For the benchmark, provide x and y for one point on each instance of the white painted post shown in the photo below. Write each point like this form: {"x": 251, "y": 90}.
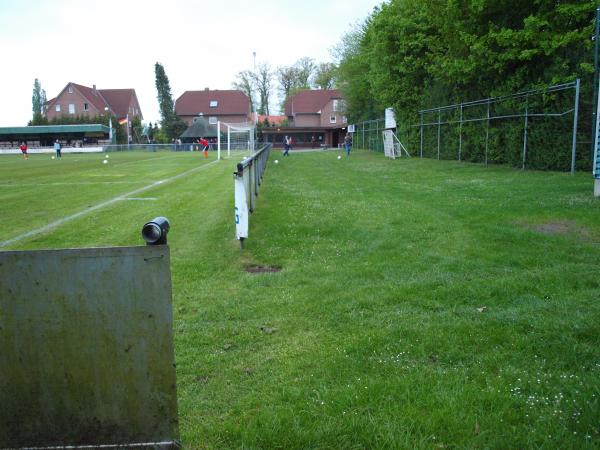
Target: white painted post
{"x": 228, "y": 141}
{"x": 218, "y": 140}
{"x": 575, "y": 117}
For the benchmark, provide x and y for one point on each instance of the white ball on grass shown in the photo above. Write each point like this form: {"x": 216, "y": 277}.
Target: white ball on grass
{"x": 105, "y": 162}
{"x": 339, "y": 156}
{"x": 53, "y": 157}
{"x": 276, "y": 161}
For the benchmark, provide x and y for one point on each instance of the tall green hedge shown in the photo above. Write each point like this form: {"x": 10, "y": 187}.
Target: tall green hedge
{"x": 419, "y": 54}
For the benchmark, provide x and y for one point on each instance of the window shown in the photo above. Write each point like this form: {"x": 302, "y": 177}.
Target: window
{"x": 332, "y": 119}
{"x": 214, "y": 103}
{"x": 57, "y": 108}
{"x": 212, "y": 120}
{"x": 71, "y": 108}
{"x": 344, "y": 119}
{"x": 70, "y": 90}
{"x": 86, "y": 107}
{"x": 336, "y": 105}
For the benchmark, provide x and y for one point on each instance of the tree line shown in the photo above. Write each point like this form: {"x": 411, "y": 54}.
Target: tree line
{"x": 262, "y": 83}
{"x": 414, "y": 54}
{"x": 418, "y": 54}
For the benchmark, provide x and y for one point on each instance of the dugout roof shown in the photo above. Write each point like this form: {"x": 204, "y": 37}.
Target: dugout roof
{"x": 52, "y": 129}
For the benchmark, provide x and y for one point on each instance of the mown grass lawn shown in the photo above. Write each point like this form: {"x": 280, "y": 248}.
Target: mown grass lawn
{"x": 420, "y": 304}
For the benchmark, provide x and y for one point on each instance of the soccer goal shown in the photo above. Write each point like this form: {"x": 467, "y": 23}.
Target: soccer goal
{"x": 392, "y": 147}
{"x": 235, "y": 137}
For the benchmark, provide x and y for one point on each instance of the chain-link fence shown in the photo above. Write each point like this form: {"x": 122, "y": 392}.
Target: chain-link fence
{"x": 536, "y": 129}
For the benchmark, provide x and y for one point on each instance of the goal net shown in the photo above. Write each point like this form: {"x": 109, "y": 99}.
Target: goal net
{"x": 236, "y": 137}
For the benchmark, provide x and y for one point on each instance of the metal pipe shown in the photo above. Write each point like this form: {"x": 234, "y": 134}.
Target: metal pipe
{"x": 460, "y": 133}
{"x": 487, "y": 134}
{"x": 439, "y": 131}
{"x": 421, "y": 135}
{"x": 525, "y": 134}
{"x": 555, "y": 88}
{"x": 575, "y": 117}
{"x": 508, "y": 116}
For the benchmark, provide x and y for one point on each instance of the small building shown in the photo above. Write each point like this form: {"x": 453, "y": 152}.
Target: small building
{"x": 78, "y": 100}
{"x": 314, "y": 119}
{"x": 199, "y": 128}
{"x": 230, "y": 106}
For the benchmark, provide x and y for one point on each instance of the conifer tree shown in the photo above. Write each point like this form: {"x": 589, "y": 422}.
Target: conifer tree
{"x": 164, "y": 96}
{"x": 38, "y": 99}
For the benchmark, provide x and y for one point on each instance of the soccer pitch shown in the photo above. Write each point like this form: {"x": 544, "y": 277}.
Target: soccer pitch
{"x": 81, "y": 200}
{"x": 420, "y": 303}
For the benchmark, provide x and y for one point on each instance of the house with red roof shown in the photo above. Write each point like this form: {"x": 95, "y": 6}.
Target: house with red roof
{"x": 315, "y": 118}
{"x": 230, "y": 106}
{"x": 78, "y": 100}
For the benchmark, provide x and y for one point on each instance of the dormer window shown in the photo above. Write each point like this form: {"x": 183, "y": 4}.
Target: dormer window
{"x": 70, "y": 90}
{"x": 214, "y": 103}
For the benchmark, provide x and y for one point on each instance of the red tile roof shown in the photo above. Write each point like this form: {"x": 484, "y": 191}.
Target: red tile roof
{"x": 191, "y": 103}
{"x": 309, "y": 101}
{"x": 93, "y": 96}
{"x": 119, "y": 100}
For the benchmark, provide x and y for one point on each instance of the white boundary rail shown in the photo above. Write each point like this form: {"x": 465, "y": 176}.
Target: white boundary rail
{"x": 247, "y": 181}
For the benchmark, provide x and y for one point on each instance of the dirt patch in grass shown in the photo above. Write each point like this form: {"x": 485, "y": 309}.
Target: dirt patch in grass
{"x": 262, "y": 269}
{"x": 562, "y": 227}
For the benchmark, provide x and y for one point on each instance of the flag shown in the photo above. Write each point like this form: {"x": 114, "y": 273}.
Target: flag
{"x": 123, "y": 121}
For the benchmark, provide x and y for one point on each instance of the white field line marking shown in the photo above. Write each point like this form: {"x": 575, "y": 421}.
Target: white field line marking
{"x": 141, "y": 198}
{"x": 59, "y": 222}
{"x": 66, "y": 183}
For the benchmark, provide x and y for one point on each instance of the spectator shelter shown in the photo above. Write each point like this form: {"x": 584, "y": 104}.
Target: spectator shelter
{"x": 199, "y": 128}
{"x": 40, "y": 137}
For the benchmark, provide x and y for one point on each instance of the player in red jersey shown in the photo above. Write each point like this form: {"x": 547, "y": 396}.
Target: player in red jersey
{"x": 23, "y": 148}
{"x": 204, "y": 144}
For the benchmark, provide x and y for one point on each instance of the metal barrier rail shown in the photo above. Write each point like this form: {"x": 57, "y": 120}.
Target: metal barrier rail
{"x": 247, "y": 181}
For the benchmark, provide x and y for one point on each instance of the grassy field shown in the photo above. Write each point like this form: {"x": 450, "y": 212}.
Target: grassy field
{"x": 420, "y": 304}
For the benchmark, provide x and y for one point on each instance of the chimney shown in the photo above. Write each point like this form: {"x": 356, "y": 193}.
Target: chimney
{"x": 206, "y": 89}
{"x": 94, "y": 88}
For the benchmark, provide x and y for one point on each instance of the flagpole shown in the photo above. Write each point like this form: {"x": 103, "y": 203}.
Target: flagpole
{"x": 128, "y": 137}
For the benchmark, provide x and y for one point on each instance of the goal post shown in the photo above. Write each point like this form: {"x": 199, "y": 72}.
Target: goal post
{"x": 235, "y": 137}
{"x": 392, "y": 147}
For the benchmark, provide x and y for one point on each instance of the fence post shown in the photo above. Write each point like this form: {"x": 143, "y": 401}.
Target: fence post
{"x": 460, "y": 133}
{"x": 575, "y": 117}
{"x": 363, "y": 135}
{"x": 421, "y": 135}
{"x": 487, "y": 133}
{"x": 439, "y": 130}
{"x": 525, "y": 132}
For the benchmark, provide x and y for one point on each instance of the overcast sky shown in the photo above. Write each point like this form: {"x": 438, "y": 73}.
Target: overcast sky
{"x": 115, "y": 43}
